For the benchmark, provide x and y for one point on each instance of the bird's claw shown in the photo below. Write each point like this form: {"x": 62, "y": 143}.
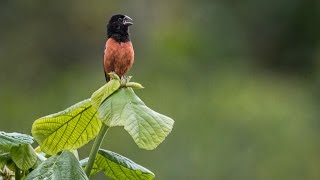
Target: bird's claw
{"x": 113, "y": 75}
{"x": 124, "y": 80}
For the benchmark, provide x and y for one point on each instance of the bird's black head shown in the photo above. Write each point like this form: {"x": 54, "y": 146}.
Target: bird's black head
{"x": 118, "y": 27}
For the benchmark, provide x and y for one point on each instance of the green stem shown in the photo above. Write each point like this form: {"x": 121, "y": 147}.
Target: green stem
{"x": 17, "y": 173}
{"x": 95, "y": 148}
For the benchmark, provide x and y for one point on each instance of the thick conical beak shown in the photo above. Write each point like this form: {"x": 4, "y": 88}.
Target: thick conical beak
{"x": 127, "y": 21}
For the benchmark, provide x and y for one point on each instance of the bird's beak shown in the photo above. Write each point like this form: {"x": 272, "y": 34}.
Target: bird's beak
{"x": 127, "y": 21}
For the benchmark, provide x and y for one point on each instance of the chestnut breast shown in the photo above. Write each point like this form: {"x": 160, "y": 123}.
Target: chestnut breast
{"x": 118, "y": 56}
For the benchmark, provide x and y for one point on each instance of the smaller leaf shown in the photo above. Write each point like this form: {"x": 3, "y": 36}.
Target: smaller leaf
{"x": 4, "y": 158}
{"x": 8, "y": 140}
{"x": 147, "y": 127}
{"x": 113, "y": 75}
{"x": 24, "y": 156}
{"x": 105, "y": 91}
{"x": 134, "y": 85}
{"x": 116, "y": 166}
{"x": 63, "y": 167}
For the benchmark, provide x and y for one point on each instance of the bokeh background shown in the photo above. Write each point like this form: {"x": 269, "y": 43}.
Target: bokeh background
{"x": 240, "y": 79}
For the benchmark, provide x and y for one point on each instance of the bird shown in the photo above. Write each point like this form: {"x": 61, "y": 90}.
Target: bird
{"x": 118, "y": 52}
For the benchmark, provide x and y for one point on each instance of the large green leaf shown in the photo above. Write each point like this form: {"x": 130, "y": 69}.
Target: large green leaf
{"x": 116, "y": 166}
{"x": 59, "y": 167}
{"x": 147, "y": 127}
{"x": 68, "y": 129}
{"x": 8, "y": 140}
{"x": 104, "y": 92}
{"x": 24, "y": 156}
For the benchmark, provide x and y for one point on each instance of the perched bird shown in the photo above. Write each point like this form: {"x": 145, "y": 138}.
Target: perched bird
{"x": 118, "y": 53}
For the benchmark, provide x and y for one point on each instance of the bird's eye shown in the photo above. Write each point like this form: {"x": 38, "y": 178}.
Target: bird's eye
{"x": 120, "y": 19}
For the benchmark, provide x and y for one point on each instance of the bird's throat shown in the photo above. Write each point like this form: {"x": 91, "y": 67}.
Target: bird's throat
{"x": 120, "y": 38}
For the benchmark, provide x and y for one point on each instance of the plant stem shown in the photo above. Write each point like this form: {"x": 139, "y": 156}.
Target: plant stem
{"x": 17, "y": 173}
{"x": 95, "y": 148}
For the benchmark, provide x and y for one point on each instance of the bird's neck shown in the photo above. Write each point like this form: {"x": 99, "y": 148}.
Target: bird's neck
{"x": 120, "y": 38}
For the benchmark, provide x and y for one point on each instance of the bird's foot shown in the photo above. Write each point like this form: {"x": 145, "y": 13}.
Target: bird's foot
{"x": 113, "y": 75}
{"x": 124, "y": 80}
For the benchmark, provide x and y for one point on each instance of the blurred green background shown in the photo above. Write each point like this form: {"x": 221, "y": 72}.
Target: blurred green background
{"x": 240, "y": 79}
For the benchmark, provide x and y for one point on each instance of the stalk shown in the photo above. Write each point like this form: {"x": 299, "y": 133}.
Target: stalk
{"x": 95, "y": 148}
{"x": 17, "y": 173}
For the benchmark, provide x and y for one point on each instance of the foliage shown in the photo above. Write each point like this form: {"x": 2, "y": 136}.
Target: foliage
{"x": 61, "y": 134}
{"x": 68, "y": 129}
{"x": 63, "y": 166}
{"x": 147, "y": 127}
{"x": 9, "y": 140}
{"x": 116, "y": 166}
{"x": 24, "y": 156}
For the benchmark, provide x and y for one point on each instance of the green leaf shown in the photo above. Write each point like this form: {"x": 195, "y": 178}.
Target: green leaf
{"x": 8, "y": 140}
{"x": 4, "y": 158}
{"x": 134, "y": 85}
{"x": 68, "y": 129}
{"x": 59, "y": 167}
{"x": 24, "y": 156}
{"x": 147, "y": 127}
{"x": 116, "y": 166}
{"x": 113, "y": 75}
{"x": 40, "y": 159}
{"x": 104, "y": 92}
